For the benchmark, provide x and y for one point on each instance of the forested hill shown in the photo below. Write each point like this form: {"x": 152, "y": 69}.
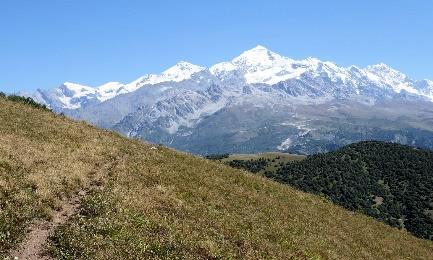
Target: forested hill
{"x": 391, "y": 182}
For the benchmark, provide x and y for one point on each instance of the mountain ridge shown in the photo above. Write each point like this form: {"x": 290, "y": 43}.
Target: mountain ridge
{"x": 272, "y": 103}
{"x": 259, "y": 65}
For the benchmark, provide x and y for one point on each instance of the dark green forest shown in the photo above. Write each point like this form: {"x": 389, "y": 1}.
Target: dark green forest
{"x": 251, "y": 165}
{"x": 217, "y": 156}
{"x": 388, "y": 181}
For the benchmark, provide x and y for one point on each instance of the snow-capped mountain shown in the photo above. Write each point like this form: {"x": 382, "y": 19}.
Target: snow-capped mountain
{"x": 262, "y": 66}
{"x": 72, "y": 96}
{"x": 256, "y": 66}
{"x": 259, "y": 100}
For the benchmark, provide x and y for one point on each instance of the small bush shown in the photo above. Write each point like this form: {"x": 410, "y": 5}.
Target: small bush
{"x": 217, "y": 156}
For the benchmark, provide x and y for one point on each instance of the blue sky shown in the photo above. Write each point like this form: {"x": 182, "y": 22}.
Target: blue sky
{"x": 44, "y": 43}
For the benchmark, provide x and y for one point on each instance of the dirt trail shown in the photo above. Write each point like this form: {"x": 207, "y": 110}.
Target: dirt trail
{"x": 34, "y": 244}
{"x": 33, "y": 247}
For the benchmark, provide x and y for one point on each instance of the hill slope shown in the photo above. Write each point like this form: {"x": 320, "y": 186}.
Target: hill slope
{"x": 152, "y": 202}
{"x": 390, "y": 182}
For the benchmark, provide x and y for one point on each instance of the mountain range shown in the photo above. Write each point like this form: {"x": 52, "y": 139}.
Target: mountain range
{"x": 258, "y": 101}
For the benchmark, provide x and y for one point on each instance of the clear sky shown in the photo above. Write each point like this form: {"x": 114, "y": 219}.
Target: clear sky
{"x": 44, "y": 43}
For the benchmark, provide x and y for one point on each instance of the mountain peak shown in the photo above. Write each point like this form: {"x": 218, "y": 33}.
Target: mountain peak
{"x": 72, "y": 85}
{"x": 385, "y": 71}
{"x": 183, "y": 67}
{"x": 186, "y": 64}
{"x": 180, "y": 71}
{"x": 259, "y": 48}
{"x": 258, "y": 55}
{"x": 76, "y": 88}
{"x": 380, "y": 66}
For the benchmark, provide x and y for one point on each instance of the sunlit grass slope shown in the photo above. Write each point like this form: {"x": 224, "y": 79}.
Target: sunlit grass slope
{"x": 159, "y": 203}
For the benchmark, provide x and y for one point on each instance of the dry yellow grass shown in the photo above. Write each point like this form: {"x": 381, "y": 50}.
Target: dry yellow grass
{"x": 159, "y": 203}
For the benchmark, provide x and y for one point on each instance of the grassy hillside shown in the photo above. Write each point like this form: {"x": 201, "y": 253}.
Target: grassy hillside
{"x": 391, "y": 182}
{"x": 151, "y": 202}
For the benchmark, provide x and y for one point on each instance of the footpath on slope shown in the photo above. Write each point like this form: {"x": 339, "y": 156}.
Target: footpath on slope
{"x": 33, "y": 247}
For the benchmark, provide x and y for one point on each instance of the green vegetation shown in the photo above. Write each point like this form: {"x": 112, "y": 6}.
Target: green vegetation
{"x": 152, "y": 202}
{"x": 25, "y": 100}
{"x": 387, "y": 181}
{"x": 251, "y": 165}
{"x": 217, "y": 156}
{"x": 257, "y": 163}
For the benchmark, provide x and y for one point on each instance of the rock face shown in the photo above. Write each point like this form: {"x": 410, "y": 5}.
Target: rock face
{"x": 259, "y": 101}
